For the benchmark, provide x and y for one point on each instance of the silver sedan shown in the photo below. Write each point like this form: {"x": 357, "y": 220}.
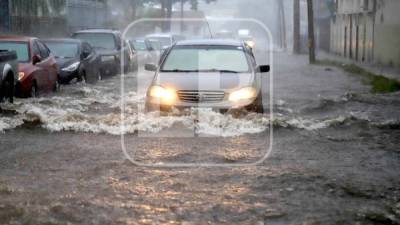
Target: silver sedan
{"x": 217, "y": 74}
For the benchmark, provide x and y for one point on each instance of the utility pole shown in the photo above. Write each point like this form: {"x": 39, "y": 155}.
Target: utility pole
{"x": 282, "y": 23}
{"x": 169, "y": 15}
{"x": 296, "y": 26}
{"x": 163, "y": 15}
{"x": 311, "y": 40}
{"x": 182, "y": 4}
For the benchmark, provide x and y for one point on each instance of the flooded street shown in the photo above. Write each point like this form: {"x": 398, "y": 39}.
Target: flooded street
{"x": 335, "y": 156}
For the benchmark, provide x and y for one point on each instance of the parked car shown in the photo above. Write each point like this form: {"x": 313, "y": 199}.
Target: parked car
{"x": 218, "y": 74}
{"x": 133, "y": 57}
{"x": 107, "y": 44}
{"x": 147, "y": 51}
{"x": 8, "y": 74}
{"x": 37, "y": 68}
{"x": 166, "y": 40}
{"x": 75, "y": 59}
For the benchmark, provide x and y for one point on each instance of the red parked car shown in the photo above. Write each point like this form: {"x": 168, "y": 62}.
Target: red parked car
{"x": 37, "y": 68}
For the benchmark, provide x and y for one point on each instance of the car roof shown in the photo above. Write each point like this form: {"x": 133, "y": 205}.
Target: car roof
{"x": 16, "y": 38}
{"x": 159, "y": 35}
{"x": 227, "y": 42}
{"x": 97, "y": 31}
{"x": 138, "y": 39}
{"x": 66, "y": 40}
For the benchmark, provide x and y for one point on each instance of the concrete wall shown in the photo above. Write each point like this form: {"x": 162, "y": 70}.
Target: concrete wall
{"x": 387, "y": 33}
{"x": 352, "y": 36}
{"x": 367, "y": 34}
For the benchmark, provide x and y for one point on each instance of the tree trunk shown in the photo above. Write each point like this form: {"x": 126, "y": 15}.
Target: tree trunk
{"x": 296, "y": 26}
{"x": 311, "y": 41}
{"x": 169, "y": 15}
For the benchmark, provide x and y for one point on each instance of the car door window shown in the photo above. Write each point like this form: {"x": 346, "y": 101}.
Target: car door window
{"x": 44, "y": 51}
{"x": 35, "y": 49}
{"x": 86, "y": 48}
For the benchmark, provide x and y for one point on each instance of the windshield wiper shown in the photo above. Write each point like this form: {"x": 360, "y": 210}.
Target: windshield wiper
{"x": 197, "y": 71}
{"x": 217, "y": 70}
{"x": 179, "y": 71}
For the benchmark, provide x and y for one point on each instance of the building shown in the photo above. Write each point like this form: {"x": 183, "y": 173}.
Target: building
{"x": 55, "y": 17}
{"x": 367, "y": 31}
{"x": 387, "y": 33}
{"x": 32, "y": 17}
{"x": 84, "y": 14}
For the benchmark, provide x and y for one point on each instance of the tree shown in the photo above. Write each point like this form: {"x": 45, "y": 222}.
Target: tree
{"x": 166, "y": 6}
{"x": 311, "y": 40}
{"x": 296, "y": 26}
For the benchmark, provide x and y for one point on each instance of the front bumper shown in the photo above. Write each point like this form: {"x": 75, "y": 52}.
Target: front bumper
{"x": 154, "y": 104}
{"x": 67, "y": 76}
{"x": 23, "y": 88}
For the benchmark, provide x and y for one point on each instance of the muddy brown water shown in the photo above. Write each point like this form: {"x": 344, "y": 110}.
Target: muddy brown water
{"x": 335, "y": 157}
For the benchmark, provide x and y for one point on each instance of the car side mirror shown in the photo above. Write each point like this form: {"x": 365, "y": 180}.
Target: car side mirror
{"x": 263, "y": 68}
{"x": 150, "y": 67}
{"x": 85, "y": 54}
{"x": 36, "y": 59}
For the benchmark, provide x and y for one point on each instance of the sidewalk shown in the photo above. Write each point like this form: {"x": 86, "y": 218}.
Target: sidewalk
{"x": 389, "y": 72}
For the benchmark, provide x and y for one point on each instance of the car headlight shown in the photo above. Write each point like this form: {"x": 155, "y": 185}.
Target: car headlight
{"x": 167, "y": 96}
{"x": 74, "y": 66}
{"x": 21, "y": 75}
{"x": 106, "y": 58}
{"x": 242, "y": 94}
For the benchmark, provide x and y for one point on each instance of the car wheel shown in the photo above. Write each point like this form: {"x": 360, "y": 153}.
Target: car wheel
{"x": 82, "y": 77}
{"x": 257, "y": 105}
{"x": 56, "y": 86}
{"x": 8, "y": 88}
{"x": 34, "y": 93}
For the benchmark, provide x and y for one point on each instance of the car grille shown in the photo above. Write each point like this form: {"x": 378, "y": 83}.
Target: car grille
{"x": 201, "y": 96}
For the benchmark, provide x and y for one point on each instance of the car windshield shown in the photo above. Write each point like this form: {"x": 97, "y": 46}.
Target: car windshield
{"x": 206, "y": 59}
{"x": 138, "y": 45}
{"x": 21, "y": 48}
{"x": 98, "y": 40}
{"x": 62, "y": 49}
{"x": 154, "y": 44}
{"x": 165, "y": 41}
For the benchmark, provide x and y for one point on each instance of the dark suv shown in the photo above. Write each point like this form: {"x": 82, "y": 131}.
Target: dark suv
{"x": 107, "y": 44}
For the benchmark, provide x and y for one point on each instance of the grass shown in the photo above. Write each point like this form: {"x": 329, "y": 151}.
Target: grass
{"x": 379, "y": 83}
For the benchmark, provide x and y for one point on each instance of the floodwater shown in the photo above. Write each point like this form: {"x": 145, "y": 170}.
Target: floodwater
{"x": 335, "y": 156}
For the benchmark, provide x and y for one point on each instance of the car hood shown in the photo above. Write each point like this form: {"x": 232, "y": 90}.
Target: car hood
{"x": 204, "y": 81}
{"x": 64, "y": 62}
{"x": 102, "y": 51}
